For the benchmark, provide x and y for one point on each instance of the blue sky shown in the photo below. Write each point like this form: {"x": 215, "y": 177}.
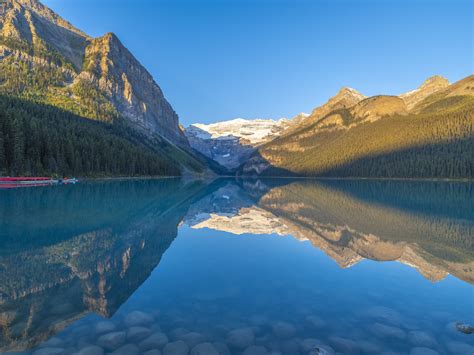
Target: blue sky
{"x": 221, "y": 59}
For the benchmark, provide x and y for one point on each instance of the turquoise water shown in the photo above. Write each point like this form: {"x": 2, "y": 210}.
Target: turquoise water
{"x": 237, "y": 267}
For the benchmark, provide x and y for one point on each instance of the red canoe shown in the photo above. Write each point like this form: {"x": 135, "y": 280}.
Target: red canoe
{"x": 23, "y": 181}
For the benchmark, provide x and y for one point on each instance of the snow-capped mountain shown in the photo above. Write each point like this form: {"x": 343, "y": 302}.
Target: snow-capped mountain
{"x": 231, "y": 142}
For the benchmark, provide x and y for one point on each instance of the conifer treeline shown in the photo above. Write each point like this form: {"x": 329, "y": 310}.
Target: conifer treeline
{"x": 438, "y": 143}
{"x": 42, "y": 140}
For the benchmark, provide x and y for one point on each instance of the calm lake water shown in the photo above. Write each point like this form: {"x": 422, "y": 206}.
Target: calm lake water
{"x": 237, "y": 267}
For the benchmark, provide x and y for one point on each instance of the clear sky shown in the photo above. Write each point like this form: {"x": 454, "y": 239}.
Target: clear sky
{"x": 221, "y": 59}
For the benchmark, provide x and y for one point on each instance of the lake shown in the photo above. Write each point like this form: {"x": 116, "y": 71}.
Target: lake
{"x": 237, "y": 267}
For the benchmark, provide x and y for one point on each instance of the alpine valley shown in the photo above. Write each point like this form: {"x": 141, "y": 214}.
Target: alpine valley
{"x": 71, "y": 104}
{"x": 424, "y": 133}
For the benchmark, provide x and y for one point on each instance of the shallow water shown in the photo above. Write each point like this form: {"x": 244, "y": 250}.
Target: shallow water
{"x": 253, "y": 267}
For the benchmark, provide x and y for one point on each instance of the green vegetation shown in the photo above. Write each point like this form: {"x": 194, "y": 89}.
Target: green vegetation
{"x": 45, "y": 77}
{"x": 42, "y": 140}
{"x": 437, "y": 143}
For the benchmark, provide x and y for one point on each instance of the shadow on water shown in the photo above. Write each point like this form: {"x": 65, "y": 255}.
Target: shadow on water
{"x": 71, "y": 250}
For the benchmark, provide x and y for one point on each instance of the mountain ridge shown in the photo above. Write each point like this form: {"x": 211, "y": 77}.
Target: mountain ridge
{"x": 100, "y": 65}
{"x": 379, "y": 136}
{"x": 48, "y": 62}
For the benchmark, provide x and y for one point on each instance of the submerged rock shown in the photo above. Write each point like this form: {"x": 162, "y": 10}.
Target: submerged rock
{"x": 321, "y": 350}
{"x": 136, "y": 334}
{"x": 387, "y": 331}
{"x": 221, "y": 348}
{"x": 54, "y": 342}
{"x": 457, "y": 347}
{"x": 105, "y": 326}
{"x": 423, "y": 351}
{"x": 343, "y": 345}
{"x": 155, "y": 341}
{"x": 176, "y": 333}
{"x": 112, "y": 341}
{"x": 129, "y": 349}
{"x": 192, "y": 339}
{"x": 137, "y": 318}
{"x": 255, "y": 350}
{"x": 176, "y": 348}
{"x": 315, "y": 322}
{"x": 91, "y": 350}
{"x": 368, "y": 347}
{"x": 152, "y": 352}
{"x": 290, "y": 346}
{"x": 204, "y": 349}
{"x": 422, "y": 339}
{"x": 284, "y": 330}
{"x": 309, "y": 344}
{"x": 465, "y": 328}
{"x": 241, "y": 338}
{"x": 385, "y": 314}
{"x": 49, "y": 351}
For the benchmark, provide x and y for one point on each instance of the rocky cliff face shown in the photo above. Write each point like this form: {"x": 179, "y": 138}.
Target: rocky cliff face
{"x": 111, "y": 67}
{"x": 96, "y": 78}
{"x": 30, "y": 22}
{"x": 429, "y": 87}
{"x": 345, "y": 98}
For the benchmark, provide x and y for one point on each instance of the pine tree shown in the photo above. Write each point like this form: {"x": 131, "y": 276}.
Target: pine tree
{"x": 18, "y": 145}
{"x": 3, "y": 162}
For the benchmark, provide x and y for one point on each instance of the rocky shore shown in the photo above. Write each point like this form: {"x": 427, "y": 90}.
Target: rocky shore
{"x": 381, "y": 330}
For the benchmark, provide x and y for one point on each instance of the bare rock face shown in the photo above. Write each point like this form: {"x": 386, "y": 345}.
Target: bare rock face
{"x": 31, "y": 22}
{"x": 129, "y": 87}
{"x": 345, "y": 98}
{"x": 376, "y": 107}
{"x": 84, "y": 72}
{"x": 429, "y": 86}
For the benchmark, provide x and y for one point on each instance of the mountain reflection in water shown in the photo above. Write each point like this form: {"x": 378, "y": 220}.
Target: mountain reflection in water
{"x": 72, "y": 250}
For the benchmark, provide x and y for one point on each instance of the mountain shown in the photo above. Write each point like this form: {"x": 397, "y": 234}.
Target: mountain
{"x": 345, "y": 98}
{"x": 80, "y": 66}
{"x": 429, "y": 87}
{"x": 47, "y": 61}
{"x": 230, "y": 143}
{"x": 379, "y": 136}
{"x": 448, "y": 95}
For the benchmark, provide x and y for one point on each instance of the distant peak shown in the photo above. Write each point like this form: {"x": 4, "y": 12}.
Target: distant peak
{"x": 348, "y": 91}
{"x": 435, "y": 80}
{"x": 429, "y": 86}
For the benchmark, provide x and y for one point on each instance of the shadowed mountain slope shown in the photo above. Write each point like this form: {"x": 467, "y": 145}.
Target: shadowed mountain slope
{"x": 379, "y": 137}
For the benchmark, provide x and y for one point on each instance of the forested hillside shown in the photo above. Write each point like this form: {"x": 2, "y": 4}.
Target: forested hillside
{"x": 42, "y": 140}
{"x": 55, "y": 81}
{"x": 438, "y": 142}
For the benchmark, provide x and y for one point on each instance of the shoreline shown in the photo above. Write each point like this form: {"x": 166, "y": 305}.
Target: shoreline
{"x": 243, "y": 177}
